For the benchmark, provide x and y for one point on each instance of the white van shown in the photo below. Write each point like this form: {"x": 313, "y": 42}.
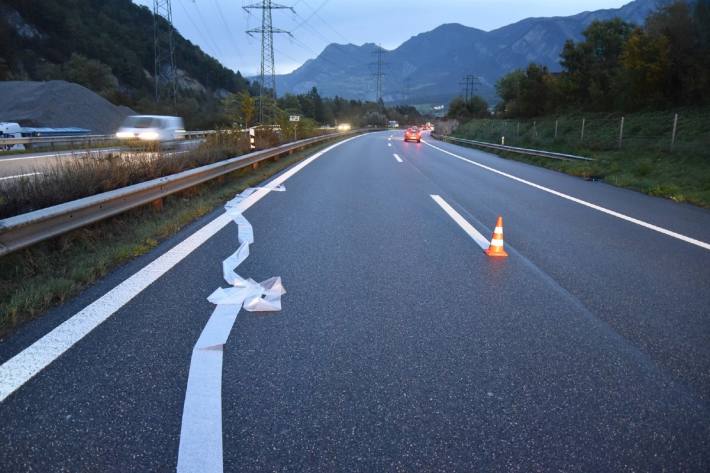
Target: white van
{"x": 152, "y": 128}
{"x": 10, "y": 130}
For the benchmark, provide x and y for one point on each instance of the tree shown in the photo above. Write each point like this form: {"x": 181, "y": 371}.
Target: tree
{"x": 476, "y": 107}
{"x": 247, "y": 106}
{"x": 646, "y": 66}
{"x": 528, "y": 93}
{"x": 684, "y": 31}
{"x": 239, "y": 108}
{"x": 592, "y": 66}
{"x": 318, "y": 112}
{"x": 90, "y": 73}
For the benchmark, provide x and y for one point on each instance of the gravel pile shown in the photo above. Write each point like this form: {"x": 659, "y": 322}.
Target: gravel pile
{"x": 58, "y": 104}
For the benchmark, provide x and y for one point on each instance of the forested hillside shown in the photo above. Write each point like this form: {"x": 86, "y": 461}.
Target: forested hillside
{"x": 621, "y": 67}
{"x": 107, "y": 46}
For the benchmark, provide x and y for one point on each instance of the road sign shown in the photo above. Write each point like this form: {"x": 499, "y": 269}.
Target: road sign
{"x": 294, "y": 118}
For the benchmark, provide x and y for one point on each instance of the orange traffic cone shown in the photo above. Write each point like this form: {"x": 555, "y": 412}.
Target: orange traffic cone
{"x": 496, "y": 247}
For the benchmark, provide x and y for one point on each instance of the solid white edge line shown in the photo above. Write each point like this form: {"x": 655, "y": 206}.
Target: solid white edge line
{"x": 613, "y": 213}
{"x": 22, "y": 367}
{"x": 462, "y": 222}
{"x": 396, "y": 156}
{"x": 77, "y": 153}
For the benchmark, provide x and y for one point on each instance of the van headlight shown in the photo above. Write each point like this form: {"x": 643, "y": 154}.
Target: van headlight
{"x": 149, "y": 136}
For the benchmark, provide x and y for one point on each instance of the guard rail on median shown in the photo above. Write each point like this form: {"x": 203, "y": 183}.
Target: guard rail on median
{"x": 27, "y": 229}
{"x": 82, "y": 139}
{"x": 514, "y": 149}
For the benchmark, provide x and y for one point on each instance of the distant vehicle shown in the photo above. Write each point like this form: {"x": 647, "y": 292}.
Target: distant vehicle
{"x": 413, "y": 134}
{"x": 152, "y": 128}
{"x": 392, "y": 124}
{"x": 10, "y": 130}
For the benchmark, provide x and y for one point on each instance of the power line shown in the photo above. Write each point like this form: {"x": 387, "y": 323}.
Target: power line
{"x": 267, "y": 83}
{"x": 326, "y": 23}
{"x": 229, "y": 30}
{"x": 207, "y": 29}
{"x": 205, "y": 43}
{"x": 164, "y": 47}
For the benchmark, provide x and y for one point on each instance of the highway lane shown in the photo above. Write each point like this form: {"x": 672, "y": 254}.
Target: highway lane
{"x": 400, "y": 345}
{"x": 649, "y": 287}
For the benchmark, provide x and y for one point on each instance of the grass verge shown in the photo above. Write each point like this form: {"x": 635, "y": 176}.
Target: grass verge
{"x": 644, "y": 163}
{"x": 47, "y": 274}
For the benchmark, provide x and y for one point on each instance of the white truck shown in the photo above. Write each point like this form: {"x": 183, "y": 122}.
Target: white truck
{"x": 10, "y": 130}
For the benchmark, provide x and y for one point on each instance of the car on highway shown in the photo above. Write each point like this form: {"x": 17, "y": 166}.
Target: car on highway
{"x": 10, "y": 131}
{"x": 152, "y": 128}
{"x": 413, "y": 134}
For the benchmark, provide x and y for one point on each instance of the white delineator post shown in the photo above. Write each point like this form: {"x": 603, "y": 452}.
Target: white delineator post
{"x": 581, "y": 138}
{"x": 675, "y": 128}
{"x": 252, "y": 138}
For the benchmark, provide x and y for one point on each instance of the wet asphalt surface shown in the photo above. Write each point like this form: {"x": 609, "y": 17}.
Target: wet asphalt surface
{"x": 401, "y": 346}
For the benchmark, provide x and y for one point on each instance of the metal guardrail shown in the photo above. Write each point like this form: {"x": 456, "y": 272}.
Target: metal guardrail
{"x": 82, "y": 139}
{"x": 515, "y": 149}
{"x": 27, "y": 229}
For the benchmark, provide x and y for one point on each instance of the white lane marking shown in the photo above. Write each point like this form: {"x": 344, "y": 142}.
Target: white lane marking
{"x": 20, "y": 175}
{"x": 462, "y": 222}
{"x": 613, "y": 213}
{"x": 389, "y": 144}
{"x": 200, "y": 449}
{"x": 22, "y": 367}
{"x": 396, "y": 156}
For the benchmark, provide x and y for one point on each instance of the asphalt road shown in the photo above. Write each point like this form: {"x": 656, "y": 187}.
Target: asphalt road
{"x": 401, "y": 346}
{"x": 16, "y": 166}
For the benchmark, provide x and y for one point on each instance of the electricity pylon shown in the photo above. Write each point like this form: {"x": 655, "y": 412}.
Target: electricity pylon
{"x": 379, "y": 73}
{"x": 469, "y": 83}
{"x": 164, "y": 48}
{"x": 267, "y": 81}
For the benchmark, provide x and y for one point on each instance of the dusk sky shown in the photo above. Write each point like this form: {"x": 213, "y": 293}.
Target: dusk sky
{"x": 218, "y": 26}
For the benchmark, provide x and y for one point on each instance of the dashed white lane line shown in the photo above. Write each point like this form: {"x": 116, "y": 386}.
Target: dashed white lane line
{"x": 396, "y": 156}
{"x": 389, "y": 144}
{"x": 20, "y": 175}
{"x": 22, "y": 367}
{"x": 462, "y": 222}
{"x": 599, "y": 208}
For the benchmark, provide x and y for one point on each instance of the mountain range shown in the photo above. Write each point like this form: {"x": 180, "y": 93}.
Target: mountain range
{"x": 429, "y": 67}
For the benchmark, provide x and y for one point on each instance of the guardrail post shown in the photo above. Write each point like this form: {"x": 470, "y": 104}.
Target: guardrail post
{"x": 675, "y": 127}
{"x": 621, "y": 132}
{"x": 157, "y": 204}
{"x": 581, "y": 138}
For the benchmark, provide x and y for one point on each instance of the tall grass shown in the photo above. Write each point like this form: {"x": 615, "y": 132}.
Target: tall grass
{"x": 43, "y": 275}
{"x": 90, "y": 173}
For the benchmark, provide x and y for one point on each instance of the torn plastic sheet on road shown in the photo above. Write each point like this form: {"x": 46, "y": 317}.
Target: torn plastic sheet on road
{"x": 201, "y": 432}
